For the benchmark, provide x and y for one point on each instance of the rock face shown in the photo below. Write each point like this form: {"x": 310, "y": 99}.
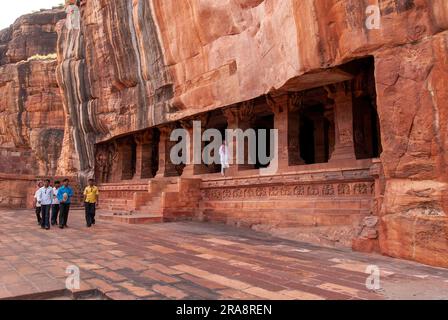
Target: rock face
{"x": 31, "y": 125}
{"x": 32, "y": 34}
{"x": 412, "y": 91}
{"x": 135, "y": 64}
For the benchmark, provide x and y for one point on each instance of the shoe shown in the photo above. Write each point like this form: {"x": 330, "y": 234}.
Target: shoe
{"x": 47, "y": 228}
{"x": 89, "y": 226}
{"x": 61, "y": 227}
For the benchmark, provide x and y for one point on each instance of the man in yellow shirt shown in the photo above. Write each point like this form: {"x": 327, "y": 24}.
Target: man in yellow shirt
{"x": 91, "y": 195}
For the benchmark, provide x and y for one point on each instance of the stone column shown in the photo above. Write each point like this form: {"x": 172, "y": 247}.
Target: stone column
{"x": 231, "y": 115}
{"x": 204, "y": 120}
{"x": 196, "y": 145}
{"x": 329, "y": 115}
{"x": 343, "y": 117}
{"x": 286, "y": 111}
{"x": 189, "y": 170}
{"x": 165, "y": 165}
{"x": 144, "y": 163}
{"x": 127, "y": 160}
{"x": 279, "y": 106}
{"x": 239, "y": 117}
{"x": 295, "y": 107}
{"x": 320, "y": 155}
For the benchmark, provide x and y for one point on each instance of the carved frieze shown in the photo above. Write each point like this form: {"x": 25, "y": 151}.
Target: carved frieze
{"x": 353, "y": 189}
{"x": 340, "y": 176}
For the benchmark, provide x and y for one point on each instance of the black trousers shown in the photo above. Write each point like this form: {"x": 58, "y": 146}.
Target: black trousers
{"x": 46, "y": 216}
{"x": 90, "y": 213}
{"x": 54, "y": 213}
{"x": 63, "y": 215}
{"x": 38, "y": 216}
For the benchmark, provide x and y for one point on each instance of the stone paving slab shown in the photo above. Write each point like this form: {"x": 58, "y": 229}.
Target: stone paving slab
{"x": 195, "y": 261}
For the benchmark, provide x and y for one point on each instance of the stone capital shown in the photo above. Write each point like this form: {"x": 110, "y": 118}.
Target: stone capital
{"x": 204, "y": 119}
{"x": 339, "y": 91}
{"x": 246, "y": 111}
{"x": 143, "y": 137}
{"x": 295, "y": 101}
{"x": 242, "y": 112}
{"x": 186, "y": 124}
{"x": 277, "y": 104}
{"x": 167, "y": 129}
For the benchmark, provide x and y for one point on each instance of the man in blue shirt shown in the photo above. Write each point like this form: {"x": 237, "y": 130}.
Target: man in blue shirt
{"x": 65, "y": 194}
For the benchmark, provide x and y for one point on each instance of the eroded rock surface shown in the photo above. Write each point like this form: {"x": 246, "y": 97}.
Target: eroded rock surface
{"x": 32, "y": 117}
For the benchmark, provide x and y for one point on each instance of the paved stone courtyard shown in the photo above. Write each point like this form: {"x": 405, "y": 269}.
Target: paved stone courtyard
{"x": 194, "y": 261}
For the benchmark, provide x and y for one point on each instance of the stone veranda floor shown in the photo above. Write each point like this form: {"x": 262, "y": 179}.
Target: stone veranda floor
{"x": 194, "y": 261}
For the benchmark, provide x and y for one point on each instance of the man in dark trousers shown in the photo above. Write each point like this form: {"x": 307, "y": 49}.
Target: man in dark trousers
{"x": 55, "y": 205}
{"x": 37, "y": 205}
{"x": 45, "y": 199}
{"x": 90, "y": 202}
{"x": 65, "y": 194}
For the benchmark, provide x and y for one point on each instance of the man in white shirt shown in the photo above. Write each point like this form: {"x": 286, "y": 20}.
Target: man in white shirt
{"x": 37, "y": 206}
{"x": 224, "y": 157}
{"x": 45, "y": 199}
{"x": 56, "y": 205}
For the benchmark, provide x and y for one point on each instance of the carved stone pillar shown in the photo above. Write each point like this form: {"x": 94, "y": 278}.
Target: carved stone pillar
{"x": 127, "y": 151}
{"x": 231, "y": 115}
{"x": 286, "y": 111}
{"x": 320, "y": 145}
{"x": 195, "y": 145}
{"x": 343, "y": 115}
{"x": 280, "y": 107}
{"x": 295, "y": 107}
{"x": 144, "y": 163}
{"x": 166, "y": 167}
{"x": 113, "y": 169}
{"x": 239, "y": 117}
{"x": 329, "y": 115}
{"x": 190, "y": 167}
{"x": 203, "y": 119}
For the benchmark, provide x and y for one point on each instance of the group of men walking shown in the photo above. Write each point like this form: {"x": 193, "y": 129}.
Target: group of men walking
{"x": 52, "y": 203}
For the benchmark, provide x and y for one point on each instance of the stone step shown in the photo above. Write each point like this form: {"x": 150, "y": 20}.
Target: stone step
{"x": 120, "y": 209}
{"x": 115, "y": 207}
{"x": 134, "y": 218}
{"x": 154, "y": 203}
{"x": 172, "y": 188}
{"x": 114, "y": 201}
{"x": 148, "y": 209}
{"x": 150, "y": 212}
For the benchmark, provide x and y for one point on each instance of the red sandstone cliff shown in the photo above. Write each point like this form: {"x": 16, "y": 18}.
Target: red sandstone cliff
{"x": 31, "y": 125}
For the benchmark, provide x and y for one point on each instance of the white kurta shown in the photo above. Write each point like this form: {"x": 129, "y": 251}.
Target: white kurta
{"x": 45, "y": 196}
{"x": 224, "y": 156}
{"x": 36, "y": 196}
